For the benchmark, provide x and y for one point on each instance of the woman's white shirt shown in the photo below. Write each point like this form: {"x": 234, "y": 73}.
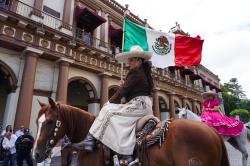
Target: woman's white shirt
{"x": 10, "y": 143}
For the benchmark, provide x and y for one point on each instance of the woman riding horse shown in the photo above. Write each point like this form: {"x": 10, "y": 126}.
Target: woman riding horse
{"x": 214, "y": 118}
{"x": 116, "y": 122}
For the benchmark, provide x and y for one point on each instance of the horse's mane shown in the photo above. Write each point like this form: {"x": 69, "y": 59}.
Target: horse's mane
{"x": 78, "y": 121}
{"x": 192, "y": 115}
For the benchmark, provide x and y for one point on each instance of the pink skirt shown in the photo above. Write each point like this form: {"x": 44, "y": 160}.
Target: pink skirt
{"x": 223, "y": 124}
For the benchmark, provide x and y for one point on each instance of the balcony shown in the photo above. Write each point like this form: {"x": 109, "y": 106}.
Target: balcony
{"x": 46, "y": 22}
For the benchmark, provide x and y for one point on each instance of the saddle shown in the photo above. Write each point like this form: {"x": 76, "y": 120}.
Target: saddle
{"x": 149, "y": 131}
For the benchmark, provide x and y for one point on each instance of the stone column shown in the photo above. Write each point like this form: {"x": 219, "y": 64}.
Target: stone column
{"x": 38, "y": 4}
{"x": 36, "y": 13}
{"x": 25, "y": 98}
{"x": 66, "y": 15}
{"x": 171, "y": 105}
{"x": 194, "y": 106}
{"x": 62, "y": 84}
{"x": 67, "y": 11}
{"x": 156, "y": 108}
{"x": 104, "y": 88}
{"x": 184, "y": 99}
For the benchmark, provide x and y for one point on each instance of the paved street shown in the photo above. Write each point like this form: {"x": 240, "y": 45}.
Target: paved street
{"x": 235, "y": 156}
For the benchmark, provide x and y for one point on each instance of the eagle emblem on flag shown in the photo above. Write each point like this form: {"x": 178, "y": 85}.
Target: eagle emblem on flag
{"x": 161, "y": 46}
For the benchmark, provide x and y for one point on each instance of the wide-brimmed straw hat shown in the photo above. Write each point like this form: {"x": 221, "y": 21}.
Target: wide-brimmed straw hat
{"x": 209, "y": 93}
{"x": 135, "y": 52}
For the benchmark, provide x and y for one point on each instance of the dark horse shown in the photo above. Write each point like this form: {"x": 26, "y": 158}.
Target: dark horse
{"x": 188, "y": 143}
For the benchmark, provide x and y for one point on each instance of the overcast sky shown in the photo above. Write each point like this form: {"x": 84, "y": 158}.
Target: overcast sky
{"x": 223, "y": 24}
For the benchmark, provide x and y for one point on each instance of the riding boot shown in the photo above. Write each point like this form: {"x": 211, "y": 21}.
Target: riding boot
{"x": 125, "y": 159}
{"x": 87, "y": 144}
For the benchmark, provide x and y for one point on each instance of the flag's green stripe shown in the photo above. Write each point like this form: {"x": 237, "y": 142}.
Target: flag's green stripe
{"x": 134, "y": 34}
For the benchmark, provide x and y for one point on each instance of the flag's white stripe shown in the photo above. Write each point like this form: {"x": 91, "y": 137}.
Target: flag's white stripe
{"x": 161, "y": 61}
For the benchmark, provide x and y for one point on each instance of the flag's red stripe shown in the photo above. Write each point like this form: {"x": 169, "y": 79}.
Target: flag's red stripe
{"x": 187, "y": 50}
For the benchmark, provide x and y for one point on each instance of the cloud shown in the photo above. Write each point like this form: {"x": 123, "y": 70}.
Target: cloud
{"x": 224, "y": 24}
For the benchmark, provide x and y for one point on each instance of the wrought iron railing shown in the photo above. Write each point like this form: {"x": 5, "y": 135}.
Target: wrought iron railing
{"x": 88, "y": 39}
{"x": 41, "y": 17}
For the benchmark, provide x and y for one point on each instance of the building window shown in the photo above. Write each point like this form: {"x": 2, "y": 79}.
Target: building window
{"x": 51, "y": 11}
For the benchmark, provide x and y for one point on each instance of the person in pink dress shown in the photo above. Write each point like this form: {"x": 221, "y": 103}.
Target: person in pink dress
{"x": 212, "y": 116}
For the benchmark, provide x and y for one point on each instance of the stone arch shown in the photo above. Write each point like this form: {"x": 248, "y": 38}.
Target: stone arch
{"x": 164, "y": 108}
{"x": 9, "y": 75}
{"x": 177, "y": 102}
{"x": 112, "y": 90}
{"x": 81, "y": 92}
{"x": 198, "y": 108}
{"x": 188, "y": 104}
{"x": 8, "y": 84}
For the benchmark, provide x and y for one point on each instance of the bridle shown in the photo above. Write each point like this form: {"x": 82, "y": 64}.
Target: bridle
{"x": 51, "y": 139}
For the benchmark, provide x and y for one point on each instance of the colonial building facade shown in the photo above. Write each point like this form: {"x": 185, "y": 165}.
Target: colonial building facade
{"x": 65, "y": 49}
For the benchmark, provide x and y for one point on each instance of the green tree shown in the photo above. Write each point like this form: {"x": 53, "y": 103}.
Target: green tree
{"x": 236, "y": 89}
{"x": 245, "y": 104}
{"x": 242, "y": 113}
{"x": 234, "y": 96}
{"x": 229, "y": 100}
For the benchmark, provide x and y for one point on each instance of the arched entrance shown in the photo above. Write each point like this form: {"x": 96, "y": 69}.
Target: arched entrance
{"x": 8, "y": 84}
{"x": 81, "y": 93}
{"x": 188, "y": 106}
{"x": 176, "y": 105}
{"x": 164, "y": 109}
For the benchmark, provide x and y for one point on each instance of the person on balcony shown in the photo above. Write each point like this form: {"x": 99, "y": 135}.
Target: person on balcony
{"x": 115, "y": 125}
{"x": 214, "y": 118}
{"x": 87, "y": 38}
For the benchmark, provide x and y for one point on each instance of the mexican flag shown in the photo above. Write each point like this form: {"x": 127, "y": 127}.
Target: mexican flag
{"x": 168, "y": 49}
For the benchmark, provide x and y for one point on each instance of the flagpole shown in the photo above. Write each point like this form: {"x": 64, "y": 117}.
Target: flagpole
{"x": 124, "y": 17}
{"x": 123, "y": 45}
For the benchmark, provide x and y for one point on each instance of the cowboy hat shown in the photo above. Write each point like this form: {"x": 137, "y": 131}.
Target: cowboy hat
{"x": 212, "y": 93}
{"x": 135, "y": 51}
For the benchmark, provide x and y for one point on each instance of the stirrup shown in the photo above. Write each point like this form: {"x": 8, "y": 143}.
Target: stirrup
{"x": 128, "y": 161}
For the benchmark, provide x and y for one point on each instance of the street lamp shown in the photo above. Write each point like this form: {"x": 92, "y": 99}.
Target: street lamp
{"x": 229, "y": 93}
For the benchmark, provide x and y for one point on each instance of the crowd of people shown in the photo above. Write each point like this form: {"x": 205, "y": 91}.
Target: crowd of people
{"x": 15, "y": 148}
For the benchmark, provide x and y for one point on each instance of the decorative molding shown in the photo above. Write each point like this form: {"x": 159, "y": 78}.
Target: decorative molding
{"x": 60, "y": 48}
{"x": 9, "y": 31}
{"x": 44, "y": 43}
{"x": 105, "y": 74}
{"x": 65, "y": 60}
{"x": 27, "y": 37}
{"x": 56, "y": 37}
{"x": 22, "y": 24}
{"x": 3, "y": 17}
{"x": 31, "y": 49}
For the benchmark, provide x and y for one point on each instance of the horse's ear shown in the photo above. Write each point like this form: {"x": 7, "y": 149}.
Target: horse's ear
{"x": 52, "y": 103}
{"x": 41, "y": 103}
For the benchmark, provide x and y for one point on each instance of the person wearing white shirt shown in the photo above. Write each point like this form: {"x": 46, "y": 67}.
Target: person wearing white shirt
{"x": 9, "y": 144}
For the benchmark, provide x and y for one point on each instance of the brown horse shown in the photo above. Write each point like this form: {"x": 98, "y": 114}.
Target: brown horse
{"x": 188, "y": 143}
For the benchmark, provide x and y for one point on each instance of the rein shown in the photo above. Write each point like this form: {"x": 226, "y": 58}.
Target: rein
{"x": 51, "y": 139}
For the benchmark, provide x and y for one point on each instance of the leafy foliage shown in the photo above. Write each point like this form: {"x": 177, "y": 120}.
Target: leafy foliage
{"x": 242, "y": 113}
{"x": 234, "y": 97}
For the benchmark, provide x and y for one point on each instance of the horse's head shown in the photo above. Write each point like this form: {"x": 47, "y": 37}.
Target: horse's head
{"x": 182, "y": 113}
{"x": 50, "y": 129}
